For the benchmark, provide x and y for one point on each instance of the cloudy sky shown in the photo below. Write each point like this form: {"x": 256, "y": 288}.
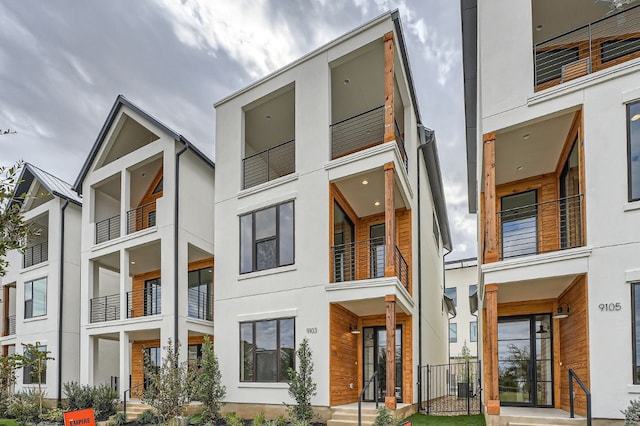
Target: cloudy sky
{"x": 63, "y": 62}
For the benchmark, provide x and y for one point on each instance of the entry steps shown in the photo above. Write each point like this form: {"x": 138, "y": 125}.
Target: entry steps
{"x": 134, "y": 409}
{"x": 348, "y": 416}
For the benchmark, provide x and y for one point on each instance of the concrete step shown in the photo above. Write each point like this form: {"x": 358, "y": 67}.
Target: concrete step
{"x": 354, "y": 422}
{"x": 351, "y": 416}
{"x": 543, "y": 421}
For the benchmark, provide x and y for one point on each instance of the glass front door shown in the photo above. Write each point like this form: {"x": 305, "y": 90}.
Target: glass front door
{"x": 525, "y": 361}
{"x": 375, "y": 359}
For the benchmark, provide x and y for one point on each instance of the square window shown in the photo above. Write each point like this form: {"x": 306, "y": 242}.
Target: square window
{"x": 35, "y": 298}
{"x": 267, "y": 350}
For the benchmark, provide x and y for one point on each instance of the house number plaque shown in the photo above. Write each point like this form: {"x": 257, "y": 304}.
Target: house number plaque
{"x": 610, "y": 307}
{"x": 312, "y": 330}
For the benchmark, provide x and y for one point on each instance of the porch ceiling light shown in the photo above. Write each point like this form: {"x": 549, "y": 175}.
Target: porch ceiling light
{"x": 365, "y": 182}
{"x": 635, "y": 117}
{"x": 346, "y": 81}
{"x": 377, "y": 203}
{"x": 520, "y": 168}
{"x": 354, "y": 329}
{"x": 538, "y": 27}
{"x": 563, "y": 311}
{"x": 133, "y": 262}
{"x": 267, "y": 117}
{"x": 526, "y": 136}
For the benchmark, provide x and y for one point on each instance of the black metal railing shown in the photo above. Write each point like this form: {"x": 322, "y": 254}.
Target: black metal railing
{"x": 269, "y": 164}
{"x": 142, "y": 217}
{"x": 573, "y": 376}
{"x": 10, "y": 325}
{"x": 453, "y": 388}
{"x": 107, "y": 229}
{"x": 400, "y": 142}
{"x": 128, "y": 391}
{"x": 356, "y": 133}
{"x": 105, "y": 308}
{"x": 144, "y": 302}
{"x": 540, "y": 228}
{"x": 35, "y": 254}
{"x": 366, "y": 259}
{"x": 590, "y": 48}
{"x": 373, "y": 379}
{"x": 200, "y": 304}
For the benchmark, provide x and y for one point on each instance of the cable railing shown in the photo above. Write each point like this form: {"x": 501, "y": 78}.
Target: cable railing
{"x": 573, "y": 376}
{"x": 400, "y": 142}
{"x": 598, "y": 45}
{"x": 104, "y": 308}
{"x": 356, "y": 133}
{"x": 361, "y": 260}
{"x": 108, "y": 229}
{"x": 10, "y": 325}
{"x": 35, "y": 254}
{"x": 540, "y": 228}
{"x": 144, "y": 302}
{"x": 200, "y": 304}
{"x": 142, "y": 217}
{"x": 270, "y": 164}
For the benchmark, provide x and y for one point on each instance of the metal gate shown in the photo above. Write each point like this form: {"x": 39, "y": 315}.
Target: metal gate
{"x": 453, "y": 388}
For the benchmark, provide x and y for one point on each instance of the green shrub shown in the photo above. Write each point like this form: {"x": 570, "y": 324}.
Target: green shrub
{"x": 78, "y": 397}
{"x": 384, "y": 418}
{"x": 118, "y": 419}
{"x": 105, "y": 401}
{"x": 148, "y": 417}
{"x": 24, "y": 406}
{"x": 53, "y": 415}
{"x": 632, "y": 413}
{"x": 280, "y": 421}
{"x": 259, "y": 419}
{"x": 232, "y": 419}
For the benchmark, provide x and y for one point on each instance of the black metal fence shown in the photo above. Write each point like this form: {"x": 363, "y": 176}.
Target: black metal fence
{"x": 35, "y": 254}
{"x": 200, "y": 304}
{"x": 105, "y": 308}
{"x": 453, "y": 388}
{"x": 269, "y": 164}
{"x": 144, "y": 302}
{"x": 107, "y": 229}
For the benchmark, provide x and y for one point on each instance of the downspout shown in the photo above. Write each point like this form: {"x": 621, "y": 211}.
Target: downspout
{"x": 175, "y": 245}
{"x": 60, "y": 302}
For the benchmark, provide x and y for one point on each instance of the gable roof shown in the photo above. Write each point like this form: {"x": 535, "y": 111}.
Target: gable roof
{"x": 54, "y": 185}
{"x": 118, "y": 104}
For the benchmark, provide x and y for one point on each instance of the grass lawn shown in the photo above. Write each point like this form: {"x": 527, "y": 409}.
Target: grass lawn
{"x": 421, "y": 419}
{"x": 8, "y": 422}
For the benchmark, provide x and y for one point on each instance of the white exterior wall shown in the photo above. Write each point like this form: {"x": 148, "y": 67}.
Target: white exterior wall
{"x": 461, "y": 277}
{"x": 612, "y": 233}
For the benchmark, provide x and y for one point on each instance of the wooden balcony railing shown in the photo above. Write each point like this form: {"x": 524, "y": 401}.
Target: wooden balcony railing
{"x": 598, "y": 45}
{"x": 361, "y": 260}
{"x": 540, "y": 228}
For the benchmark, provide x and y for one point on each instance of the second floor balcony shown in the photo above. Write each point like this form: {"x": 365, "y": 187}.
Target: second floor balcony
{"x": 137, "y": 219}
{"x": 35, "y": 254}
{"x": 10, "y": 326}
{"x": 269, "y": 164}
{"x": 599, "y": 44}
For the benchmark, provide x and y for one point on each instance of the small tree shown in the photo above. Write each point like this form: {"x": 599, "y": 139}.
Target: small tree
{"x": 170, "y": 385}
{"x": 632, "y": 413}
{"x": 301, "y": 385}
{"x": 209, "y": 388}
{"x": 35, "y": 359}
{"x": 8, "y": 367}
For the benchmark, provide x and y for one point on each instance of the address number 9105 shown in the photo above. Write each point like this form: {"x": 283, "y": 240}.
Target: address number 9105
{"x": 610, "y": 307}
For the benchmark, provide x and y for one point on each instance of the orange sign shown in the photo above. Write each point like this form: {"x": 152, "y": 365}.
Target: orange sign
{"x": 80, "y": 418}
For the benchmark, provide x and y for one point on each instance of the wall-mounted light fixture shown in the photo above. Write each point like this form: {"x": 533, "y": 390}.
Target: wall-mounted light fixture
{"x": 354, "y": 329}
{"x": 563, "y": 311}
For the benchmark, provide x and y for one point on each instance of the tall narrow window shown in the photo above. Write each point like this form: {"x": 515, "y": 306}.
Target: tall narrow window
{"x": 635, "y": 301}
{"x": 31, "y": 375}
{"x": 570, "y": 206}
{"x": 453, "y": 332}
{"x": 201, "y": 294}
{"x": 35, "y": 298}
{"x": 267, "y": 238}
{"x": 473, "y": 331}
{"x": 344, "y": 245}
{"x": 519, "y": 218}
{"x": 633, "y": 138}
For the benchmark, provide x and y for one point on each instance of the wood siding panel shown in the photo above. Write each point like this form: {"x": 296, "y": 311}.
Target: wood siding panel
{"x": 343, "y": 365}
{"x": 137, "y": 364}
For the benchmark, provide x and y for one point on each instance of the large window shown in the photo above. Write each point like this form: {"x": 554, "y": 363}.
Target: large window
{"x": 35, "y": 298}
{"x": 635, "y": 300}
{"x": 267, "y": 350}
{"x": 452, "y": 294}
{"x": 633, "y": 137}
{"x": 201, "y": 294}
{"x": 30, "y": 374}
{"x": 453, "y": 332}
{"x": 266, "y": 238}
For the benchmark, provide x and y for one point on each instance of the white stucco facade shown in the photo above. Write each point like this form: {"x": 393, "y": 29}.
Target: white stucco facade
{"x": 462, "y": 275}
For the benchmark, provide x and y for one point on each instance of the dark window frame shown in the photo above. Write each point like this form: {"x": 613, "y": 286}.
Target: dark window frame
{"x": 276, "y": 237}
{"x": 203, "y": 312}
{"x": 635, "y": 286}
{"x": 455, "y": 295}
{"x": 28, "y": 303}
{"x": 629, "y": 153}
{"x": 27, "y": 378}
{"x": 455, "y": 326}
{"x": 278, "y": 350}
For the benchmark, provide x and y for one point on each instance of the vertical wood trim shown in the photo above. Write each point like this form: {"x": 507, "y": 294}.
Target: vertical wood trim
{"x": 390, "y": 399}
{"x": 389, "y": 219}
{"x": 490, "y": 238}
{"x": 491, "y": 343}
{"x": 389, "y": 87}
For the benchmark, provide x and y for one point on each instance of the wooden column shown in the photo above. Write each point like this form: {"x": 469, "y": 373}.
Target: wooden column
{"x": 489, "y": 213}
{"x": 491, "y": 348}
{"x": 5, "y": 310}
{"x": 389, "y": 87}
{"x": 390, "y": 398}
{"x": 389, "y": 219}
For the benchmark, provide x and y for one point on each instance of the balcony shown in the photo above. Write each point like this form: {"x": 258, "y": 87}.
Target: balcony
{"x": 35, "y": 254}
{"x": 362, "y": 131}
{"x": 200, "y": 304}
{"x": 105, "y": 308}
{"x": 540, "y": 228}
{"x": 141, "y": 217}
{"x": 108, "y": 229}
{"x": 144, "y": 302}
{"x": 595, "y": 46}
{"x": 362, "y": 260}
{"x": 269, "y": 164}
{"x": 10, "y": 326}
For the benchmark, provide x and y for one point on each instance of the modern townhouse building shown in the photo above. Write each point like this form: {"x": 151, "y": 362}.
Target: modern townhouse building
{"x": 461, "y": 286}
{"x": 146, "y": 251}
{"x": 553, "y": 139}
{"x": 331, "y": 226}
{"x": 40, "y": 290}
